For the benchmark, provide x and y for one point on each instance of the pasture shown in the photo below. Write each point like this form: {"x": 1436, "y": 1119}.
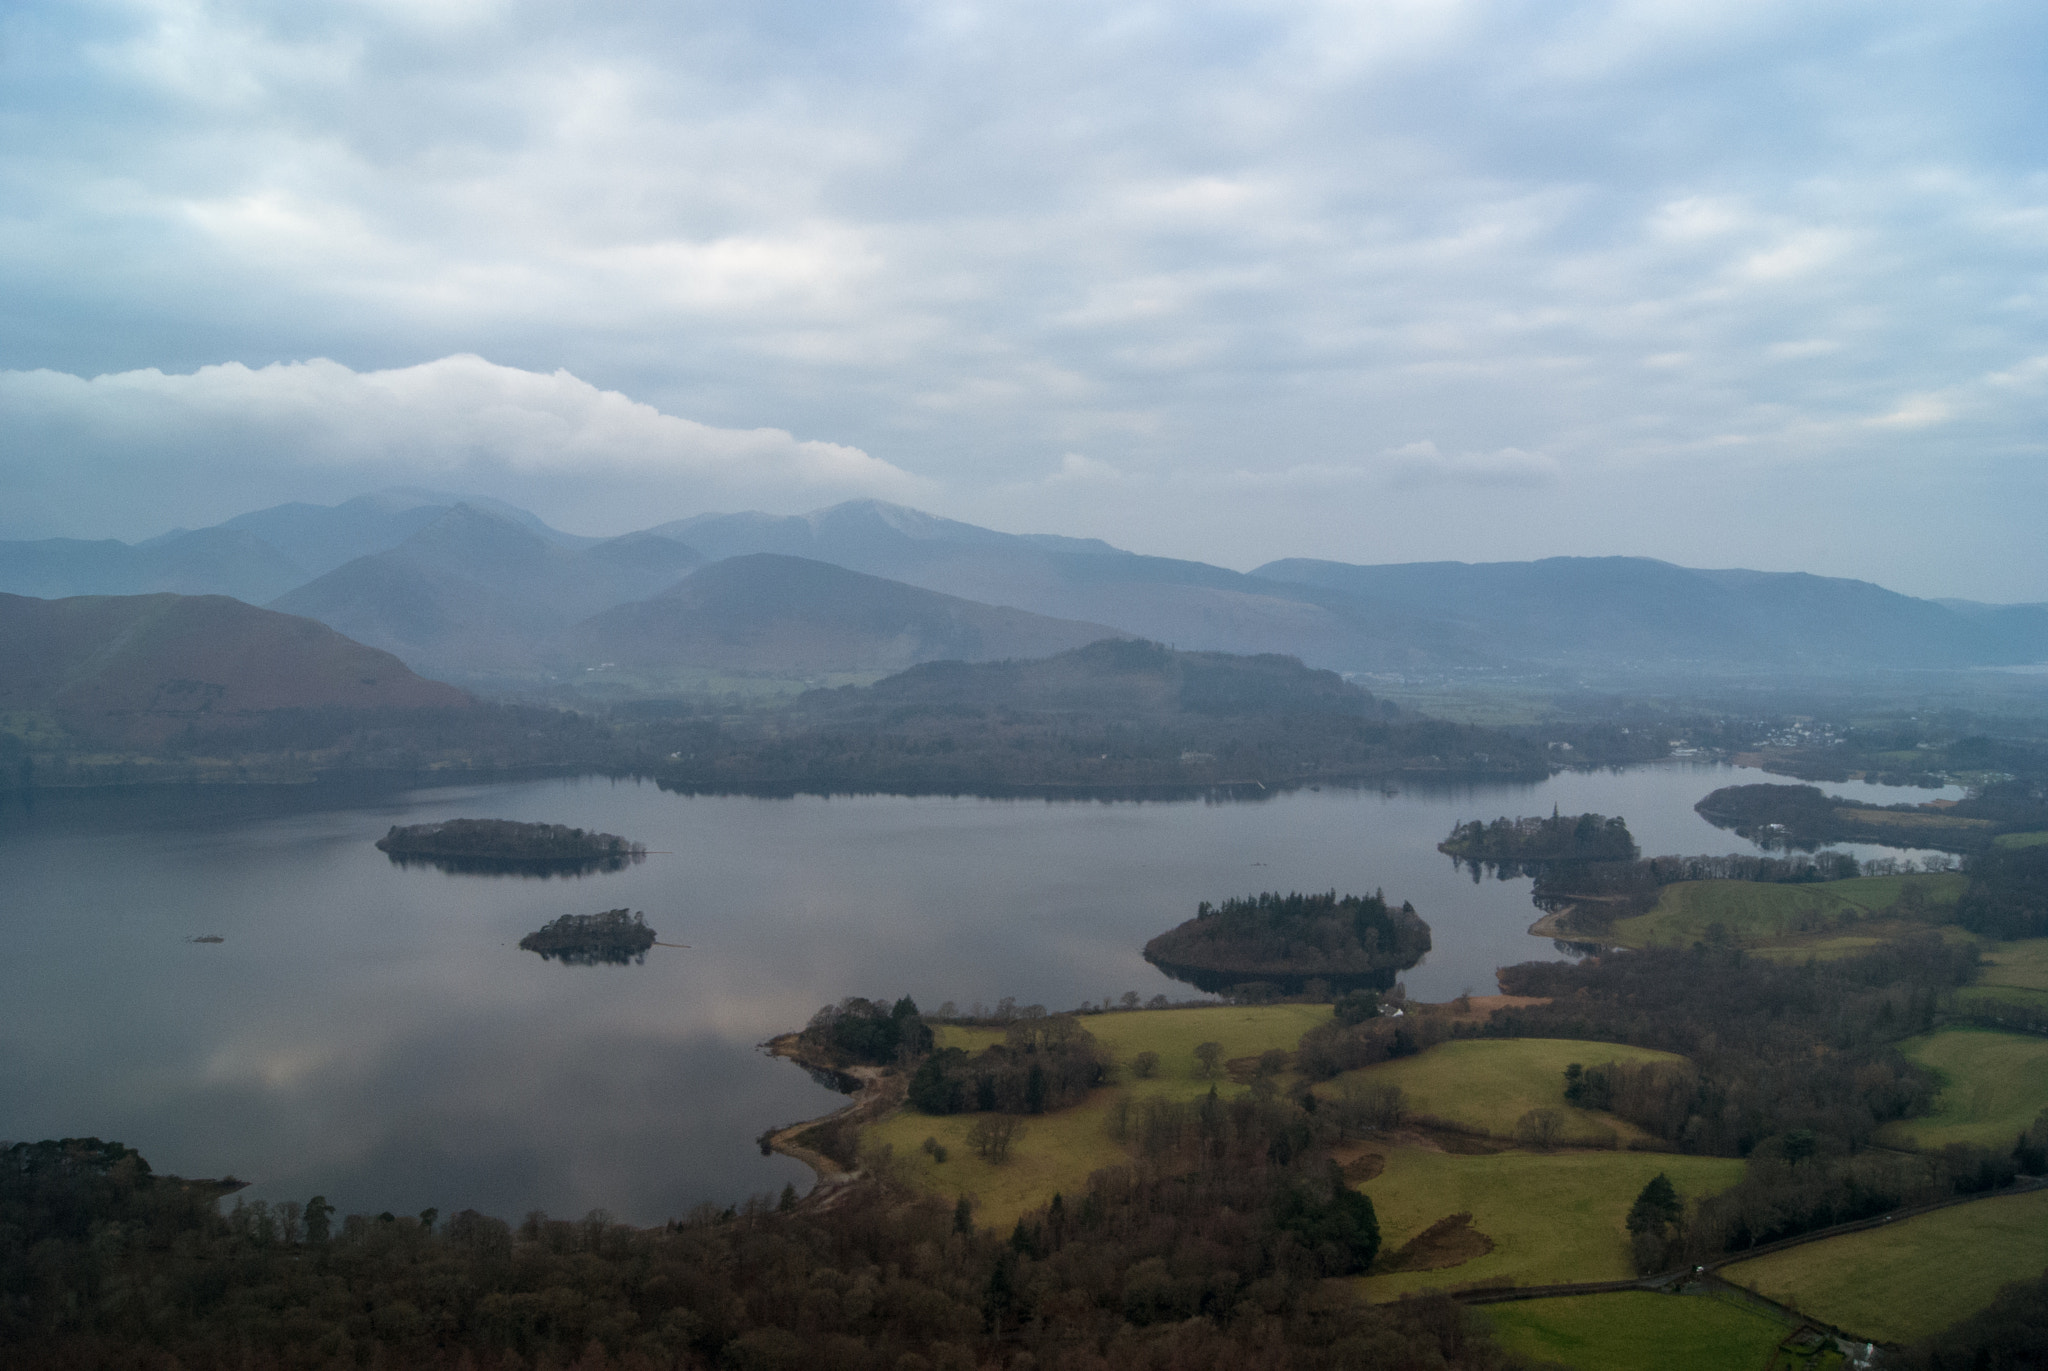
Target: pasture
{"x": 2020, "y": 840}
{"x": 2021, "y": 965}
{"x": 1057, "y": 1151}
{"x": 1486, "y": 1084}
{"x": 1993, "y": 1086}
{"x": 1552, "y": 1216}
{"x": 1630, "y": 1331}
{"x": 1757, "y": 912}
{"x": 1906, "y": 1280}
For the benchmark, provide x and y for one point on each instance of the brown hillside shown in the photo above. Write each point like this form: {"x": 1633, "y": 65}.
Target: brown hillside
{"x": 137, "y": 668}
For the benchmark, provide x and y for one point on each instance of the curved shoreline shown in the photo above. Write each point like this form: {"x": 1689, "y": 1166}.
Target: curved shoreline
{"x": 878, "y": 1089}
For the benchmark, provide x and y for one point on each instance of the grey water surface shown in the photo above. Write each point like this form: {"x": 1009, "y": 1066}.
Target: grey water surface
{"x": 373, "y": 1033}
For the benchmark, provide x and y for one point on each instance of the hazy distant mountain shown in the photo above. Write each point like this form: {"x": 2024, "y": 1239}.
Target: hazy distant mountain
{"x": 1638, "y": 611}
{"x": 254, "y": 557}
{"x": 1190, "y": 604}
{"x": 214, "y": 561}
{"x": 139, "y": 668}
{"x": 774, "y": 614}
{"x": 475, "y": 593}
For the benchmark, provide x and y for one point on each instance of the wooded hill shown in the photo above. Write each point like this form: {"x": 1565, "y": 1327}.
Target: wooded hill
{"x": 1113, "y": 716}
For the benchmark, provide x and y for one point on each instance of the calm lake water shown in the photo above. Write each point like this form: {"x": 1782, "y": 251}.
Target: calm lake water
{"x": 374, "y": 1033}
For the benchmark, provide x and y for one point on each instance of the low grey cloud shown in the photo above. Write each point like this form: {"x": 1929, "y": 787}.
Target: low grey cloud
{"x": 1675, "y": 254}
{"x": 200, "y": 447}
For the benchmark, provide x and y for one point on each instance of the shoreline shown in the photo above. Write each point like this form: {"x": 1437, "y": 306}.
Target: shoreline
{"x": 1552, "y": 925}
{"x": 878, "y": 1089}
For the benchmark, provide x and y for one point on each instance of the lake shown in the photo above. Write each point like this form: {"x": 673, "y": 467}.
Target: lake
{"x": 373, "y": 1033}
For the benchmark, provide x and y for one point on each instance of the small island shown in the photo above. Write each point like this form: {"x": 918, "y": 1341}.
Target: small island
{"x": 615, "y": 937}
{"x": 502, "y": 846}
{"x": 1350, "y": 942}
{"x": 1513, "y": 847}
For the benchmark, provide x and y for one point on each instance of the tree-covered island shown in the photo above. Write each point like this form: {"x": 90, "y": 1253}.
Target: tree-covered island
{"x": 1349, "y": 941}
{"x": 616, "y": 936}
{"x": 502, "y": 845}
{"x": 1509, "y": 844}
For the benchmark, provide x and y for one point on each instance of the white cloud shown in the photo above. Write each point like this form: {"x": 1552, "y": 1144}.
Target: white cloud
{"x": 213, "y": 440}
{"x": 1220, "y": 246}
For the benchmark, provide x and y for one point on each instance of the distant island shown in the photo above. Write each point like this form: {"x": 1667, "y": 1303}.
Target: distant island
{"x": 1350, "y": 942}
{"x": 615, "y": 937}
{"x": 1510, "y": 844}
{"x": 501, "y": 846}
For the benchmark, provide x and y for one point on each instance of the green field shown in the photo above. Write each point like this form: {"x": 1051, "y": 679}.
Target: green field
{"x": 2020, "y": 839}
{"x": 1906, "y": 1280}
{"x": 1058, "y": 1151}
{"x": 1757, "y": 912}
{"x": 2022, "y": 965}
{"x": 1552, "y": 1216}
{"x": 1993, "y": 1086}
{"x": 1628, "y": 1332}
{"x": 1488, "y": 1084}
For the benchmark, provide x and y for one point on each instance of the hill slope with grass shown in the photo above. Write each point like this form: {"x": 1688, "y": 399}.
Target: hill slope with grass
{"x": 134, "y": 669}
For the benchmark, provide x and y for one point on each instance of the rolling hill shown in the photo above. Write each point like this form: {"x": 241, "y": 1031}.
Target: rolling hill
{"x": 135, "y": 669}
{"x": 769, "y": 613}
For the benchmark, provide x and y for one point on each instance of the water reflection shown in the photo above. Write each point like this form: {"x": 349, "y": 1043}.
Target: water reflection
{"x": 372, "y": 1032}
{"x": 529, "y": 868}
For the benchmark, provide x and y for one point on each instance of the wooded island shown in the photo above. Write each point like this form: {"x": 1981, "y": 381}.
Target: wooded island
{"x": 488, "y": 845}
{"x": 1350, "y": 942}
{"x": 617, "y": 936}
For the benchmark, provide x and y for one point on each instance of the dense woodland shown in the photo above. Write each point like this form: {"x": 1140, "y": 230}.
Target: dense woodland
{"x": 858, "y": 1030}
{"x": 1042, "y": 1063}
{"x": 2008, "y": 893}
{"x": 1289, "y": 940}
{"x": 1217, "y": 1263}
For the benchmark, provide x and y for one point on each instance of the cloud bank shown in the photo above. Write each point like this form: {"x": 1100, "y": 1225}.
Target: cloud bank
{"x": 1743, "y": 282}
{"x": 149, "y": 449}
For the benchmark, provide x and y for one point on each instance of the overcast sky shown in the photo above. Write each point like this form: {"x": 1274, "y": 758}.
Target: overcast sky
{"x": 1734, "y": 284}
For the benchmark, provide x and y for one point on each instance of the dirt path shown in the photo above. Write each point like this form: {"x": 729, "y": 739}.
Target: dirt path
{"x": 879, "y": 1089}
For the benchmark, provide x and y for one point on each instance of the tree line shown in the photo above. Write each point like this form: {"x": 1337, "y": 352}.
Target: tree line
{"x": 1041, "y": 1064}
{"x": 1219, "y": 1262}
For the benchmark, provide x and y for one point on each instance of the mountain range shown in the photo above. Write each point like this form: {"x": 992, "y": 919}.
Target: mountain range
{"x": 488, "y": 595}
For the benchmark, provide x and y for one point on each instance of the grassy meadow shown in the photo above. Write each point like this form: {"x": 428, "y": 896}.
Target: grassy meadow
{"x": 1906, "y": 1280}
{"x": 1630, "y": 1331}
{"x": 1993, "y": 1086}
{"x": 1487, "y": 1084}
{"x": 1755, "y": 913}
{"x": 1552, "y": 1216}
{"x": 2020, "y": 839}
{"x": 1057, "y": 1151}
